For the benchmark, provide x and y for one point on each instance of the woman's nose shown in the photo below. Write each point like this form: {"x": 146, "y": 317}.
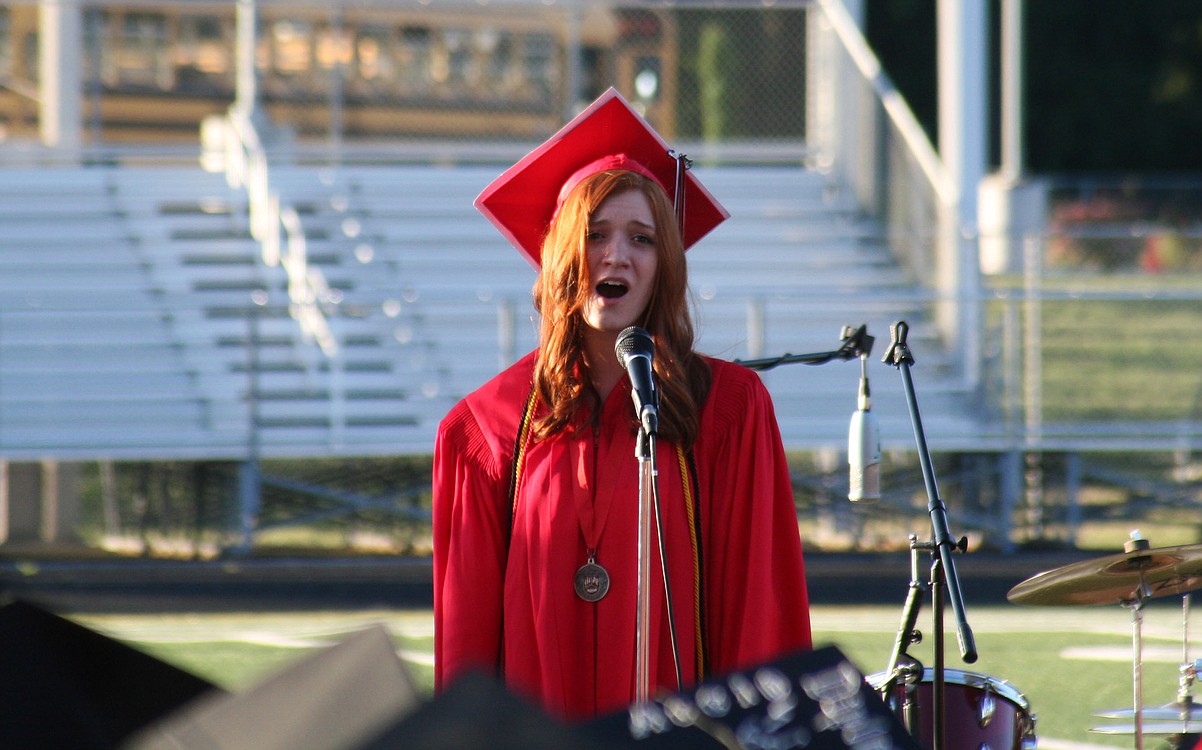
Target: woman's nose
{"x": 616, "y": 253}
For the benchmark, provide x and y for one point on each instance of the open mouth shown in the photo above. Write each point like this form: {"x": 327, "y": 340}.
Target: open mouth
{"x": 611, "y": 289}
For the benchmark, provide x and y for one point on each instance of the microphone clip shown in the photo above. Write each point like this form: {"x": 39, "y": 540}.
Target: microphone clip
{"x": 856, "y": 342}
{"x": 649, "y": 414}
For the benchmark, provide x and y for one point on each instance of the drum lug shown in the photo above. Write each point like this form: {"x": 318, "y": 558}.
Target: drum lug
{"x": 1027, "y": 727}
{"x": 986, "y": 710}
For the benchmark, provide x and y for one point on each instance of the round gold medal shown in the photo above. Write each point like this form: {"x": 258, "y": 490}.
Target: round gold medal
{"x": 592, "y": 582}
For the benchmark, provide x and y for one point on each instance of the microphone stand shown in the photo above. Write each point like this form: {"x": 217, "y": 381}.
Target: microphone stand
{"x": 648, "y": 503}
{"x": 645, "y": 453}
{"x": 856, "y": 343}
{"x": 648, "y": 495}
{"x": 943, "y": 566}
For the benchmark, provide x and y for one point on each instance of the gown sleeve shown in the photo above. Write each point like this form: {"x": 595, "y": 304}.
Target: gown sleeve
{"x": 470, "y": 527}
{"x": 757, "y": 607}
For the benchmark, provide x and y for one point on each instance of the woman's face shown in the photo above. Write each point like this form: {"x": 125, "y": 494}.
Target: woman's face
{"x": 622, "y": 258}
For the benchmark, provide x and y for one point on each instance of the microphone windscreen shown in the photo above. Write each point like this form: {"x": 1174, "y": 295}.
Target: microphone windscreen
{"x": 634, "y": 341}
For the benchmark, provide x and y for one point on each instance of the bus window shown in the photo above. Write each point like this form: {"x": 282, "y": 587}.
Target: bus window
{"x": 288, "y": 64}
{"x": 202, "y": 55}
{"x": 6, "y": 47}
{"x": 140, "y": 53}
{"x": 334, "y": 47}
{"x": 291, "y": 47}
{"x": 539, "y": 66}
{"x": 415, "y": 61}
{"x": 373, "y": 68}
{"x": 459, "y": 68}
{"x": 499, "y": 70}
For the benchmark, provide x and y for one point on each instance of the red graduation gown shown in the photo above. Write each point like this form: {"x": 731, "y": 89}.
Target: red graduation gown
{"x": 511, "y": 608}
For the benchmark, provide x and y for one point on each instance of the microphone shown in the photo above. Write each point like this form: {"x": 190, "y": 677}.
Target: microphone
{"x": 636, "y": 350}
{"x": 864, "y": 447}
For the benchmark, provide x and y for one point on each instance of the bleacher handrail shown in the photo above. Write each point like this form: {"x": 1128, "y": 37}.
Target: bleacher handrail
{"x": 895, "y": 106}
{"x": 246, "y": 167}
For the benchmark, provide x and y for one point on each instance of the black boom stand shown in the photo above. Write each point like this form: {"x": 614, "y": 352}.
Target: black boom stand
{"x": 856, "y": 343}
{"x": 904, "y": 669}
{"x": 943, "y": 575}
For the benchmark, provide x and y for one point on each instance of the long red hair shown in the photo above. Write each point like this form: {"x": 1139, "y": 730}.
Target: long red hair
{"x": 563, "y": 286}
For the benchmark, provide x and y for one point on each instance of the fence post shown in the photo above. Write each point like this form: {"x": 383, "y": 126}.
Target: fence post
{"x": 249, "y": 479}
{"x": 1072, "y": 492}
{"x": 1032, "y": 340}
{"x": 60, "y": 39}
{"x": 756, "y": 329}
{"x": 249, "y": 487}
{"x": 506, "y": 333}
{"x": 1010, "y": 485}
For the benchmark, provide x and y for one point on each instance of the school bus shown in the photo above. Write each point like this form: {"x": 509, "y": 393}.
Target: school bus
{"x": 152, "y": 72}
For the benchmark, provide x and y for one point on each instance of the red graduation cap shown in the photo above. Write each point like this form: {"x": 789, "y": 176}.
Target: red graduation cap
{"x": 608, "y": 134}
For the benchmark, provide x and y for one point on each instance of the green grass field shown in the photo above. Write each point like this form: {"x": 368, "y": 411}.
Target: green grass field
{"x": 1067, "y": 663}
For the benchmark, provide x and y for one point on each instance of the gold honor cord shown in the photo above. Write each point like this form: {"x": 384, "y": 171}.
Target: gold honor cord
{"x": 690, "y": 506}
{"x": 519, "y": 452}
{"x": 690, "y": 509}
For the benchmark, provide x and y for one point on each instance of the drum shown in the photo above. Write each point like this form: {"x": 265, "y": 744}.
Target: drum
{"x": 980, "y": 712}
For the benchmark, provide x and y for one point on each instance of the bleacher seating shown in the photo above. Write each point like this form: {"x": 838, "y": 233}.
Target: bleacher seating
{"x": 132, "y": 295}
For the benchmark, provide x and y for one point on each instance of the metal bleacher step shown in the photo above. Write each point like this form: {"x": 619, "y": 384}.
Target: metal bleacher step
{"x": 150, "y": 285}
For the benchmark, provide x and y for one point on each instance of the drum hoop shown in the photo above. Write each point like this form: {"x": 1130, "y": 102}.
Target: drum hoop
{"x": 967, "y": 679}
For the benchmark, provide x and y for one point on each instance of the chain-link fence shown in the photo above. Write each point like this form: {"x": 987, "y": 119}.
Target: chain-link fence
{"x": 362, "y": 72}
{"x": 1086, "y": 345}
{"x": 183, "y": 509}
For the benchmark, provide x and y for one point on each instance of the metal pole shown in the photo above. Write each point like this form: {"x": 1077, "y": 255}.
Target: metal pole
{"x": 642, "y": 636}
{"x": 249, "y": 483}
{"x": 963, "y": 82}
{"x": 1012, "y": 98}
{"x": 60, "y": 87}
{"x": 572, "y": 75}
{"x": 337, "y": 91}
{"x": 506, "y": 334}
{"x": 246, "y": 94}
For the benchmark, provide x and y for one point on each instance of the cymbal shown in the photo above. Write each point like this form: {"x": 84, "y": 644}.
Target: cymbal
{"x": 1169, "y": 712}
{"x": 1115, "y": 579}
{"x": 1160, "y": 727}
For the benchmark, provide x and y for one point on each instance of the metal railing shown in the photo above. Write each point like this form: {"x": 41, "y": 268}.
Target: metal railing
{"x": 860, "y": 129}
{"x": 233, "y": 146}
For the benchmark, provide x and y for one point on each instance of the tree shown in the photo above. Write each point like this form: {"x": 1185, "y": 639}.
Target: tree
{"x": 1110, "y": 86}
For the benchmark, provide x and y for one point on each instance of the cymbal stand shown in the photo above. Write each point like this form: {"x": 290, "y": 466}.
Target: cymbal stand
{"x": 1142, "y": 593}
{"x": 1137, "y": 656}
{"x": 942, "y": 546}
{"x": 1189, "y": 669}
{"x": 1189, "y": 673}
